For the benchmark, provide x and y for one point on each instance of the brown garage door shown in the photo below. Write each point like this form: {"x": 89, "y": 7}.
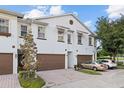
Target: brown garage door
{"x": 51, "y": 61}
{"x": 6, "y": 63}
{"x": 83, "y": 58}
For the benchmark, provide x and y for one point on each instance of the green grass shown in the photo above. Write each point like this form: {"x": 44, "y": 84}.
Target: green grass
{"x": 119, "y": 58}
{"x": 91, "y": 72}
{"x": 120, "y": 65}
{"x": 31, "y": 82}
{"x": 107, "y": 57}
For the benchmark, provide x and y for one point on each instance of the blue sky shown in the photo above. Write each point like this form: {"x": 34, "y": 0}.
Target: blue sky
{"x": 86, "y": 13}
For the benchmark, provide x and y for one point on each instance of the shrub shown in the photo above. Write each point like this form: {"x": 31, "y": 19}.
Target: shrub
{"x": 30, "y": 82}
{"x": 120, "y": 63}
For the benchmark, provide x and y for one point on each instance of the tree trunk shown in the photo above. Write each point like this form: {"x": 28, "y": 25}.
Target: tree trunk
{"x": 114, "y": 55}
{"x": 110, "y": 57}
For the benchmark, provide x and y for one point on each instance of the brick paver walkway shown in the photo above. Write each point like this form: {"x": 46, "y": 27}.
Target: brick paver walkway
{"x": 9, "y": 81}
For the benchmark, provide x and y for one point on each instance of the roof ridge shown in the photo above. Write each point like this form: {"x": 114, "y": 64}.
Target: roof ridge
{"x": 11, "y": 12}
{"x": 51, "y": 16}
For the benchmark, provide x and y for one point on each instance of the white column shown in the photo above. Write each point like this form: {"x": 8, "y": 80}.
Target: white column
{"x": 14, "y": 29}
{"x": 15, "y": 63}
{"x": 66, "y": 60}
{"x": 96, "y": 55}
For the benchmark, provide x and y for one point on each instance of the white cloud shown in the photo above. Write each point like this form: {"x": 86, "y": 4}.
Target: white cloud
{"x": 43, "y": 10}
{"x": 34, "y": 13}
{"x": 114, "y": 11}
{"x": 75, "y": 13}
{"x": 88, "y": 23}
{"x": 37, "y": 11}
{"x": 56, "y": 10}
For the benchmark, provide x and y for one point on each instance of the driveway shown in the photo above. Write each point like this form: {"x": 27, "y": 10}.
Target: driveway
{"x": 73, "y": 79}
{"x": 9, "y": 81}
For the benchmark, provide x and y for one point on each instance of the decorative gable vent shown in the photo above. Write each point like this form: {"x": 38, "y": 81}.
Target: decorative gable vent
{"x": 71, "y": 22}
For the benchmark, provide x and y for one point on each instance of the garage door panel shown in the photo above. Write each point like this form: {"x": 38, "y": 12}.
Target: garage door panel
{"x": 84, "y": 58}
{"x": 51, "y": 61}
{"x": 6, "y": 63}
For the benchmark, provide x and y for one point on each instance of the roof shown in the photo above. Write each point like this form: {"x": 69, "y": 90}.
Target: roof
{"x": 11, "y": 13}
{"x": 29, "y": 21}
{"x": 48, "y": 17}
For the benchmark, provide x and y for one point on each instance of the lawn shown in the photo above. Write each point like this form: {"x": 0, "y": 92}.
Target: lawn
{"x": 120, "y": 65}
{"x": 119, "y": 58}
{"x": 31, "y": 82}
{"x": 107, "y": 57}
{"x": 91, "y": 72}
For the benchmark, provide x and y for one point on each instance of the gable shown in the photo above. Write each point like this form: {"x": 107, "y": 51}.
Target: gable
{"x": 11, "y": 13}
{"x": 69, "y": 21}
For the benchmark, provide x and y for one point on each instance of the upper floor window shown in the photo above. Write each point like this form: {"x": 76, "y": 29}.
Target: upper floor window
{"x": 95, "y": 42}
{"x": 41, "y": 32}
{"x": 80, "y": 38}
{"x": 69, "y": 39}
{"x": 4, "y": 25}
{"x": 23, "y": 30}
{"x": 61, "y": 35}
{"x": 90, "y": 41}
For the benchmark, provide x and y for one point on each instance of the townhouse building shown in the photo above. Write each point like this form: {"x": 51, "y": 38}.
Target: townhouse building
{"x": 62, "y": 41}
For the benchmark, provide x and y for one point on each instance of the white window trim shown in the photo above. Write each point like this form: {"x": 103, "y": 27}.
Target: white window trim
{"x": 70, "y": 38}
{"x": 91, "y": 41}
{"x": 8, "y": 24}
{"x": 44, "y": 32}
{"x": 58, "y": 29}
{"x": 21, "y": 30}
{"x": 71, "y": 33}
{"x": 81, "y": 38}
{"x": 8, "y": 33}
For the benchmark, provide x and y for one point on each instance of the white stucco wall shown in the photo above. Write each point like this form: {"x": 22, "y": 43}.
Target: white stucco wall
{"x": 52, "y": 46}
{"x": 8, "y": 42}
{"x": 58, "y": 46}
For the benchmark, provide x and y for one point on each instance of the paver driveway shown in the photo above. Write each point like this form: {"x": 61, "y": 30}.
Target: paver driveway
{"x": 61, "y": 77}
{"x": 9, "y": 81}
{"x": 73, "y": 79}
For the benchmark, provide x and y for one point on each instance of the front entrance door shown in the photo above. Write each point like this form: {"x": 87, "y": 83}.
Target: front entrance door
{"x": 70, "y": 60}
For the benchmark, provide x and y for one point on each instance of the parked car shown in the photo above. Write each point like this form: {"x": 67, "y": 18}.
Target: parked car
{"x": 109, "y": 63}
{"x": 94, "y": 65}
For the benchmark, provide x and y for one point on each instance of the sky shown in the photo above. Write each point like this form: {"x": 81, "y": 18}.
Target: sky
{"x": 88, "y": 14}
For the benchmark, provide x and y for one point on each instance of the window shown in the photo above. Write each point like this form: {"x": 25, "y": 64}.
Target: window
{"x": 61, "y": 35}
{"x": 69, "y": 39}
{"x": 90, "y": 41}
{"x": 95, "y": 42}
{"x": 80, "y": 38}
{"x": 41, "y": 32}
{"x": 23, "y": 30}
{"x": 4, "y": 25}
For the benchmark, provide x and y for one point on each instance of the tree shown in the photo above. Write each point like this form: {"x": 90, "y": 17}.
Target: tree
{"x": 29, "y": 52}
{"x": 111, "y": 34}
{"x": 101, "y": 53}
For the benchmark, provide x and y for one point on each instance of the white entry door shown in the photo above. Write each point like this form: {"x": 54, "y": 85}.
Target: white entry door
{"x": 70, "y": 60}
